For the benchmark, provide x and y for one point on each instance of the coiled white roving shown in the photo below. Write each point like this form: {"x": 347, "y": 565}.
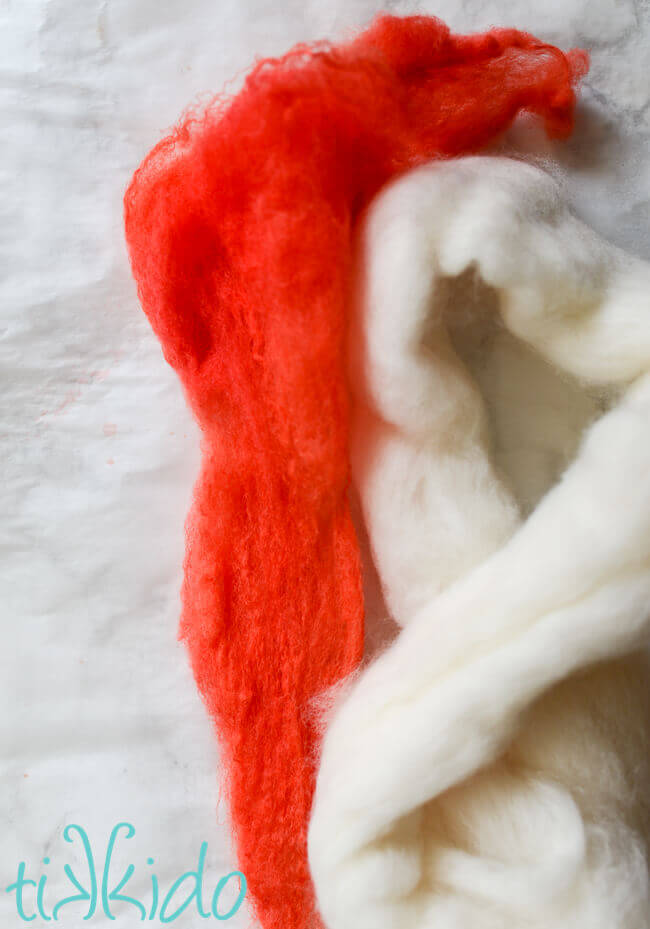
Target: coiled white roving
{"x": 491, "y": 768}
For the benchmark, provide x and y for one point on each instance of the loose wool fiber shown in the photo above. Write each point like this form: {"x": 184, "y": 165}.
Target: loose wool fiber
{"x": 491, "y": 769}
{"x": 239, "y": 227}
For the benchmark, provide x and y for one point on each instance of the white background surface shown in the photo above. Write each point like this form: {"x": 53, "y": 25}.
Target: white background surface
{"x": 101, "y": 721}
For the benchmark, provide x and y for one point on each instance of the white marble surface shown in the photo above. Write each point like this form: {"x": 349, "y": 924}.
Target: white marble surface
{"x": 101, "y": 720}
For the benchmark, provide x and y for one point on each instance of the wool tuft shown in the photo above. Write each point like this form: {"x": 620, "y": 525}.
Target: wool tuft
{"x": 491, "y": 769}
{"x": 239, "y": 227}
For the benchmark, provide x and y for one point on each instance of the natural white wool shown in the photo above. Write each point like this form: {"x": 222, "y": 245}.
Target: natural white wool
{"x": 491, "y": 768}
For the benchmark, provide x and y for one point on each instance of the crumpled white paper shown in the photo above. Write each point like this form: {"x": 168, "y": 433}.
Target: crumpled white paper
{"x": 102, "y": 723}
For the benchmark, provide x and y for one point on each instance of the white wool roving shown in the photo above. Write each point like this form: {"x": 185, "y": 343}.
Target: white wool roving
{"x": 490, "y": 770}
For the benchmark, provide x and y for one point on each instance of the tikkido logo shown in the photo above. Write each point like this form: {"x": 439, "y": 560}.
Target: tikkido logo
{"x": 99, "y": 894}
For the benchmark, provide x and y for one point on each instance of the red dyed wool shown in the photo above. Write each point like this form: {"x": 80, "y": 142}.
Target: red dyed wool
{"x": 239, "y": 227}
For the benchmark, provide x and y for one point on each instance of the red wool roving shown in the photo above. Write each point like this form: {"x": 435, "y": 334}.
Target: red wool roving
{"x": 239, "y": 227}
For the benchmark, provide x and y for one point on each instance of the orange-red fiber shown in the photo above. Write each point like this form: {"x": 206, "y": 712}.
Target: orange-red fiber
{"x": 239, "y": 228}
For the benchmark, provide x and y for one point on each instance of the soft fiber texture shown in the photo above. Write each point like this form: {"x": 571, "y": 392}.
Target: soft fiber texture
{"x": 490, "y": 770}
{"x": 239, "y": 228}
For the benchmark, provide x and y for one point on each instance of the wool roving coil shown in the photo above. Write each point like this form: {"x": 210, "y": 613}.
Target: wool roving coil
{"x": 491, "y": 768}
{"x": 239, "y": 229}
